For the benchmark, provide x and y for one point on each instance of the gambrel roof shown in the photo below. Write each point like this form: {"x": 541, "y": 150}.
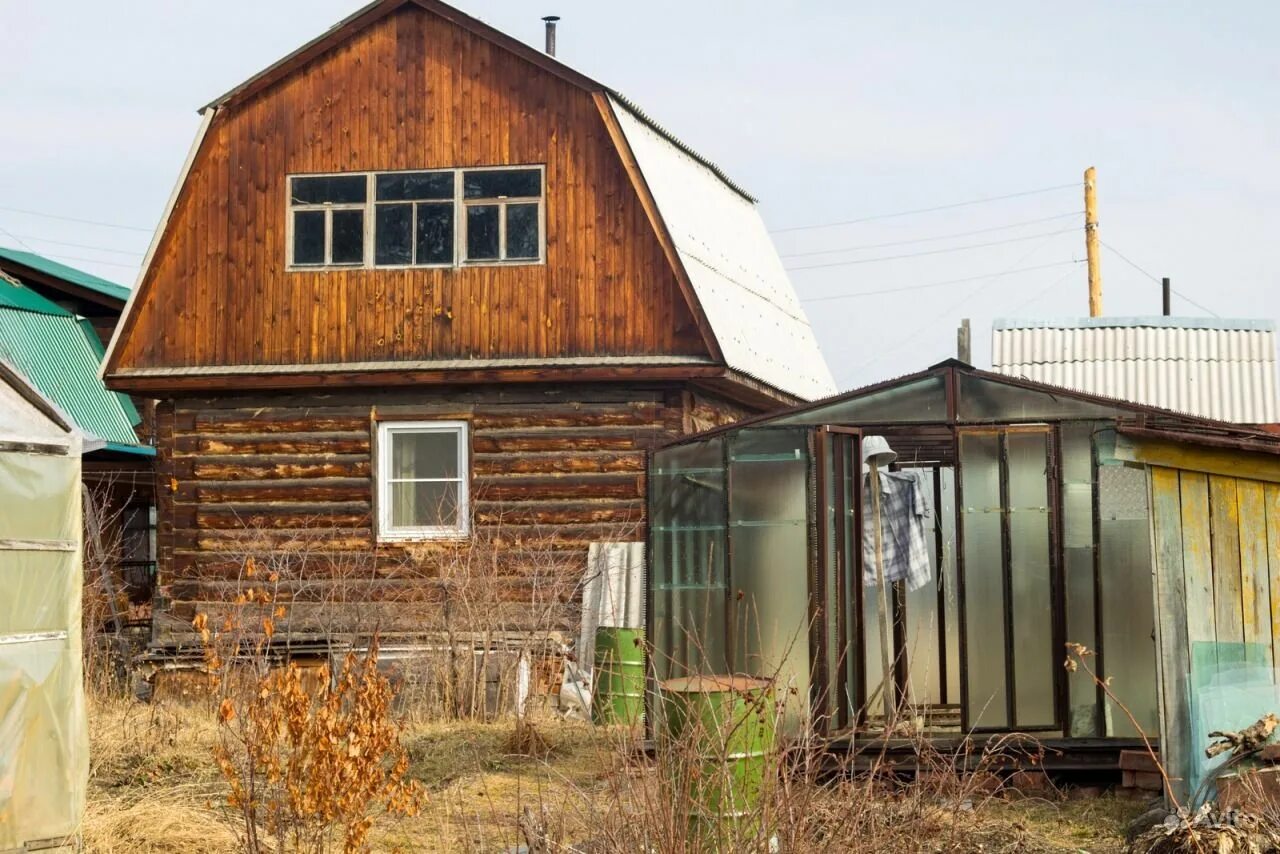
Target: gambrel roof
{"x": 710, "y": 229}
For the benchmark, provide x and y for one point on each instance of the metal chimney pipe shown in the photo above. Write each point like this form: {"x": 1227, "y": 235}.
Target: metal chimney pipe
{"x": 1165, "y": 289}
{"x": 551, "y": 33}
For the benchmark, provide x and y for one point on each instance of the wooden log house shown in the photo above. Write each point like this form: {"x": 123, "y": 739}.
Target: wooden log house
{"x": 421, "y": 283}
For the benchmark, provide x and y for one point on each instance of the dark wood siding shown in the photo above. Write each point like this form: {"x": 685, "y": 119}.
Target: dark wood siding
{"x": 409, "y": 91}
{"x": 289, "y": 481}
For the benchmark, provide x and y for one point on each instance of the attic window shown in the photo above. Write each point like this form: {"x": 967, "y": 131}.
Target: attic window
{"x": 327, "y": 218}
{"x": 504, "y": 214}
{"x": 428, "y": 218}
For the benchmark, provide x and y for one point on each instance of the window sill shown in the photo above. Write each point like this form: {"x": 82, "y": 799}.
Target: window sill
{"x": 411, "y": 537}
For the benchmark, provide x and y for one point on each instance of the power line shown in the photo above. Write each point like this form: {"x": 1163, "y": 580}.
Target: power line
{"x": 1155, "y": 279}
{"x": 1038, "y": 294}
{"x": 931, "y": 251}
{"x": 914, "y": 211}
{"x": 74, "y": 219}
{"x": 76, "y": 245}
{"x": 88, "y": 260}
{"x": 855, "y": 294}
{"x": 930, "y": 239}
{"x": 17, "y": 238}
{"x": 989, "y": 279}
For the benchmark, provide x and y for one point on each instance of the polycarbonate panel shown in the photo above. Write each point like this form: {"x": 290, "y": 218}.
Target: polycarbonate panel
{"x": 922, "y": 400}
{"x": 983, "y": 580}
{"x": 1035, "y": 661}
{"x": 1128, "y": 610}
{"x": 922, "y": 624}
{"x": 1077, "y": 524}
{"x": 988, "y": 400}
{"x": 768, "y": 523}
{"x": 44, "y": 743}
{"x": 39, "y": 497}
{"x": 687, "y": 559}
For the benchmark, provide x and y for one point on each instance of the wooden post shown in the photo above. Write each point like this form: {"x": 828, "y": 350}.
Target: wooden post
{"x": 1091, "y": 241}
{"x": 886, "y": 660}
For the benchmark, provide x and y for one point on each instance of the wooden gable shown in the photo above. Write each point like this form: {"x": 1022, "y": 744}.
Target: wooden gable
{"x": 406, "y": 90}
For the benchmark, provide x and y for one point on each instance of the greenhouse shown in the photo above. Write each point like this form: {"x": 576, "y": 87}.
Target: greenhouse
{"x": 1006, "y": 524}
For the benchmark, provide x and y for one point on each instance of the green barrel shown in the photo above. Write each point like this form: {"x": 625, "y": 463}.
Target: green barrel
{"x": 618, "y": 684}
{"x": 718, "y": 738}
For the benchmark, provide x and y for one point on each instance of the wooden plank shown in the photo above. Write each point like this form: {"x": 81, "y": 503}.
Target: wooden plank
{"x": 1189, "y": 457}
{"x": 1224, "y": 521}
{"x": 1174, "y": 604}
{"x": 1197, "y": 557}
{"x": 1255, "y": 579}
{"x": 1271, "y": 494}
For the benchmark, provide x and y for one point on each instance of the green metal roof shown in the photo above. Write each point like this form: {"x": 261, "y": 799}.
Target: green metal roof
{"x": 62, "y": 271}
{"x": 14, "y": 295}
{"x": 59, "y": 355}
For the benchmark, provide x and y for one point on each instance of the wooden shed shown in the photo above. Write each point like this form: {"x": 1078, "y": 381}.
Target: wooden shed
{"x": 1215, "y": 531}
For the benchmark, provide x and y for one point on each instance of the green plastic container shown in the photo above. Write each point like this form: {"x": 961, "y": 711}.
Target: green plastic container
{"x": 618, "y": 686}
{"x": 718, "y": 736}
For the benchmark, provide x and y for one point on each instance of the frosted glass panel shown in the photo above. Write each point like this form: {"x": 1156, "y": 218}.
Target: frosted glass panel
{"x": 1128, "y": 623}
{"x": 922, "y": 400}
{"x": 988, "y": 400}
{"x": 769, "y": 574}
{"x": 1034, "y": 657}
{"x": 984, "y": 588}
{"x": 687, "y": 559}
{"x": 1077, "y": 523}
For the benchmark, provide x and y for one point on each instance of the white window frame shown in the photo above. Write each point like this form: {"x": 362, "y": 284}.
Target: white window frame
{"x": 327, "y": 208}
{"x": 387, "y": 532}
{"x": 502, "y": 202}
{"x": 460, "y": 205}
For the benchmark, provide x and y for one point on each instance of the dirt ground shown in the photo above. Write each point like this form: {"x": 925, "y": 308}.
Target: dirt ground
{"x": 155, "y": 788}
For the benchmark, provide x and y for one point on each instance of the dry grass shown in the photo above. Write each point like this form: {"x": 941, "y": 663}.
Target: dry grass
{"x": 155, "y": 788}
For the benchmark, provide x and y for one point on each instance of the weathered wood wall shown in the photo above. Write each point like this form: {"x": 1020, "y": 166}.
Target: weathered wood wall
{"x": 411, "y": 91}
{"x": 1217, "y": 556}
{"x": 289, "y": 481}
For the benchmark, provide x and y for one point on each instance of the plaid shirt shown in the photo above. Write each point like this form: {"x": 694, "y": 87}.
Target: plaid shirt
{"x": 904, "y": 506}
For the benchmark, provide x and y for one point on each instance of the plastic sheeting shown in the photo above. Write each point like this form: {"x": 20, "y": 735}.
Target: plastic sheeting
{"x": 1230, "y": 686}
{"x": 44, "y": 740}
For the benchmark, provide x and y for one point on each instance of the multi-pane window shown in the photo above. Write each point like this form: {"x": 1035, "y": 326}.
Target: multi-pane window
{"x": 422, "y": 479}
{"x": 328, "y": 219}
{"x": 503, "y": 208}
{"x": 441, "y": 217}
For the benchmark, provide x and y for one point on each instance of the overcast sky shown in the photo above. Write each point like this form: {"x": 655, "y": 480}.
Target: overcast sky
{"x": 827, "y": 111}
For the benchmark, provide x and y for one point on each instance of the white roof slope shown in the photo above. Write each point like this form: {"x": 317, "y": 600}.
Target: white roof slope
{"x": 1222, "y": 369}
{"x": 732, "y": 264}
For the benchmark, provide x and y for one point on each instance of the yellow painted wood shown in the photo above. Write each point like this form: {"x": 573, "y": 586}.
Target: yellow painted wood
{"x": 1255, "y": 579}
{"x": 1224, "y": 524}
{"x": 1197, "y": 557}
{"x": 1172, "y": 605}
{"x": 1224, "y": 461}
{"x": 1271, "y": 496}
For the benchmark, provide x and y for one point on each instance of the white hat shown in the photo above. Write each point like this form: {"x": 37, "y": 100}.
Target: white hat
{"x": 876, "y": 449}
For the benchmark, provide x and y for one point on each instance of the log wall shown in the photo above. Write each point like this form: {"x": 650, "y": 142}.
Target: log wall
{"x": 288, "y": 480}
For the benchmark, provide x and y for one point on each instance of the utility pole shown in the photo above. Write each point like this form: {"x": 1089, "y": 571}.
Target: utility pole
{"x": 963, "y": 350}
{"x": 1091, "y": 240}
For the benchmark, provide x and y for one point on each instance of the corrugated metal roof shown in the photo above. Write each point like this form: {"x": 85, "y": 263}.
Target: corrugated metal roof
{"x": 62, "y": 271}
{"x": 731, "y": 261}
{"x": 15, "y": 295}
{"x": 59, "y": 354}
{"x": 1223, "y": 369}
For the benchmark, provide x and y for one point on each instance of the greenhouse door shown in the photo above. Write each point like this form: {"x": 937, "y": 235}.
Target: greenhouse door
{"x": 834, "y": 639}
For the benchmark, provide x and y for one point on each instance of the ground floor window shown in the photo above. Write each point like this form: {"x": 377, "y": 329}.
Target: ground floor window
{"x": 422, "y": 480}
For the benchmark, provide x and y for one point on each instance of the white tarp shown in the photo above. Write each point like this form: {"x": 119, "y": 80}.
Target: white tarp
{"x": 44, "y": 738}
{"x": 612, "y": 595}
